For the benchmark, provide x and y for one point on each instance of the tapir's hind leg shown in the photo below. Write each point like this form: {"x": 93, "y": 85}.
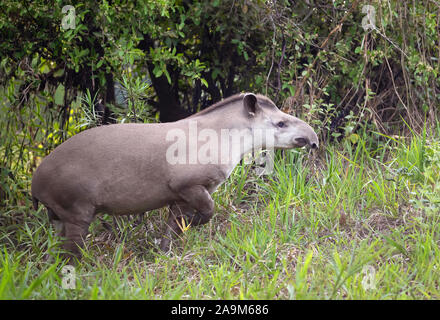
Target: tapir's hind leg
{"x": 75, "y": 235}
{"x": 75, "y": 226}
{"x": 57, "y": 223}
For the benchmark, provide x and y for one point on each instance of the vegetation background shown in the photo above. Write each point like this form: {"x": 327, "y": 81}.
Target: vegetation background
{"x": 359, "y": 219}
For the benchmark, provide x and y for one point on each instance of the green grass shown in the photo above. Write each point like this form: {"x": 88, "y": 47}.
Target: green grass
{"x": 351, "y": 222}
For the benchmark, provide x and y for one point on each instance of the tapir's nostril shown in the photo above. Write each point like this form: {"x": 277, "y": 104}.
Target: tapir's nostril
{"x": 314, "y": 145}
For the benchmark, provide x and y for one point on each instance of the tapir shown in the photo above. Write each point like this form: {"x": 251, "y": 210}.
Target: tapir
{"x": 132, "y": 168}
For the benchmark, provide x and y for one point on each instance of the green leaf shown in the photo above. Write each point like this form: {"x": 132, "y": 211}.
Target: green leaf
{"x": 157, "y": 71}
{"x": 99, "y": 64}
{"x": 59, "y": 95}
{"x": 215, "y": 73}
{"x": 58, "y": 73}
{"x": 167, "y": 75}
{"x": 45, "y": 68}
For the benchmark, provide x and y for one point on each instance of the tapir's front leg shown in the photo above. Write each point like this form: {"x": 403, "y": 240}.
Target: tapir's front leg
{"x": 199, "y": 199}
{"x": 197, "y": 207}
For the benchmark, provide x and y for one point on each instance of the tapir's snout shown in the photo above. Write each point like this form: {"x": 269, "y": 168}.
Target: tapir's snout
{"x": 301, "y": 142}
{"x": 314, "y": 141}
{"x": 307, "y": 137}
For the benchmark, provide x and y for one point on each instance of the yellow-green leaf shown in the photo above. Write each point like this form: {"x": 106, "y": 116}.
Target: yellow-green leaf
{"x": 354, "y": 138}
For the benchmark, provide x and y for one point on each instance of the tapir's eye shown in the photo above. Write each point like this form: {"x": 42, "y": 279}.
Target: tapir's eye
{"x": 281, "y": 124}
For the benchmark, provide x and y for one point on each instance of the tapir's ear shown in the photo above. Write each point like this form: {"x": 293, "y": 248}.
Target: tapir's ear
{"x": 250, "y": 103}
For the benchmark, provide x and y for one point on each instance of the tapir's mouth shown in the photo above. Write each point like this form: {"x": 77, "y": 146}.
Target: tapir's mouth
{"x": 300, "y": 142}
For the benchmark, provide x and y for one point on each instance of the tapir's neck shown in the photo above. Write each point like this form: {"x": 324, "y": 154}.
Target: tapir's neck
{"x": 226, "y": 134}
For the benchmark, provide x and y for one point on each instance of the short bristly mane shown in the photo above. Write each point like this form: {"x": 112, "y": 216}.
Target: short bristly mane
{"x": 263, "y": 100}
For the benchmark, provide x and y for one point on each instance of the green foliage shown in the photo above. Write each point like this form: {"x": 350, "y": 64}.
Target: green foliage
{"x": 312, "y": 58}
{"x": 136, "y": 92}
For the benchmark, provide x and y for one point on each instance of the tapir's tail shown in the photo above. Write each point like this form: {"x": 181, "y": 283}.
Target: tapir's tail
{"x": 35, "y": 203}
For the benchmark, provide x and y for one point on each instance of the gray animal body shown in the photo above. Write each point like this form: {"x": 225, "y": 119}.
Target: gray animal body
{"x": 132, "y": 168}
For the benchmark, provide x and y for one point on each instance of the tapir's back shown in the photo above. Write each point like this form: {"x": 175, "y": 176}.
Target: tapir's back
{"x": 116, "y": 168}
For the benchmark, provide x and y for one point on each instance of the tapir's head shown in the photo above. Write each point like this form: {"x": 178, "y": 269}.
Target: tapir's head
{"x": 288, "y": 131}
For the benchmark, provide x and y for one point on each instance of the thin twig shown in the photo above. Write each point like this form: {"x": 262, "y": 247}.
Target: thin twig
{"x": 273, "y": 52}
